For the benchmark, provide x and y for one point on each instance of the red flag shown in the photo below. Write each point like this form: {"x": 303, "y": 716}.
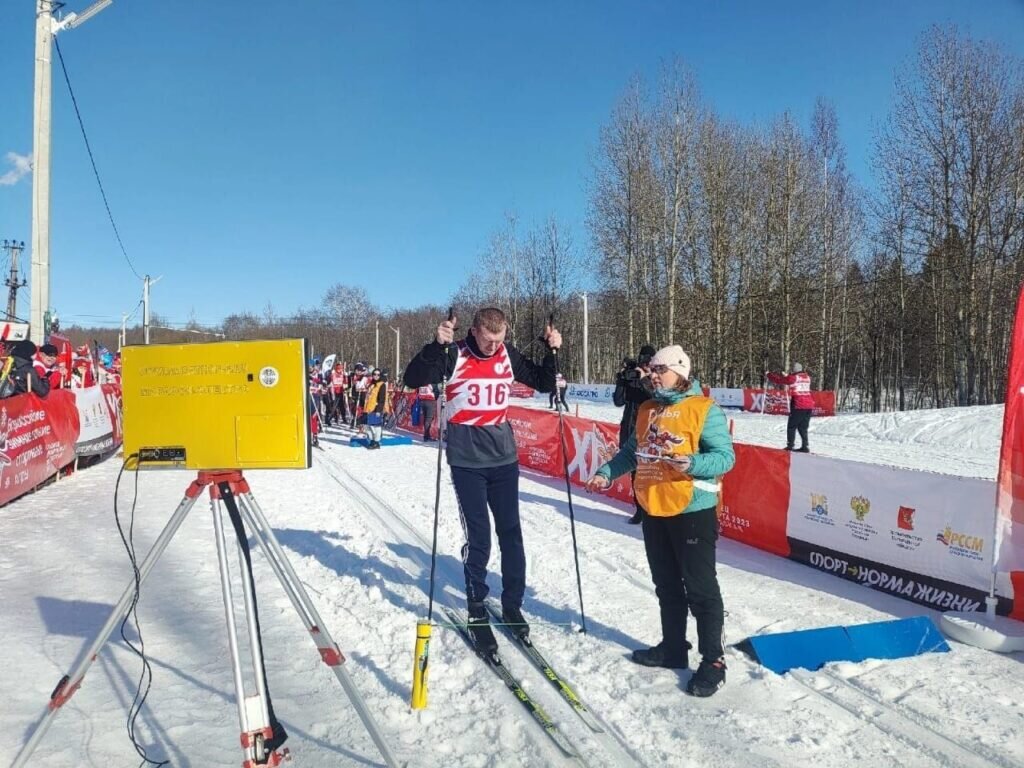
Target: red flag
{"x": 1009, "y": 544}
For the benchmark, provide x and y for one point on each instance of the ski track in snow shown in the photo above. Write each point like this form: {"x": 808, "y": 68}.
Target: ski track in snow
{"x": 62, "y": 567}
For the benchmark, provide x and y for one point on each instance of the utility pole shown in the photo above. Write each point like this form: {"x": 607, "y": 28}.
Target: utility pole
{"x": 124, "y": 332}
{"x": 376, "y": 344}
{"x": 14, "y": 249}
{"x": 586, "y": 342}
{"x": 398, "y": 346}
{"x": 145, "y": 310}
{"x": 147, "y": 281}
{"x": 46, "y": 27}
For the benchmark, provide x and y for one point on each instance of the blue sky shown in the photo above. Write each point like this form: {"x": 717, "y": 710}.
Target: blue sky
{"x": 261, "y": 153}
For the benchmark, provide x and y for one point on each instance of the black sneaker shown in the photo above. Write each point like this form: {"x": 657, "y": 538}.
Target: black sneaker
{"x": 788, "y": 448}
{"x": 637, "y": 518}
{"x": 709, "y": 677}
{"x": 805, "y": 449}
{"x": 480, "y": 629}
{"x": 659, "y": 657}
{"x": 516, "y": 622}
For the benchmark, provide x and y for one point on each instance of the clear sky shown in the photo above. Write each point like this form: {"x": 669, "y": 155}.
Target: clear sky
{"x": 261, "y": 152}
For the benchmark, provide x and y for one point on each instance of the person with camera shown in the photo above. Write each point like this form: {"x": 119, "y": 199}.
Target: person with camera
{"x": 478, "y": 372}
{"x": 632, "y": 387}
{"x": 679, "y": 451}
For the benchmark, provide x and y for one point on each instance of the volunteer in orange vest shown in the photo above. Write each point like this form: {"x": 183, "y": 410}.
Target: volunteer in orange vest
{"x": 680, "y": 450}
{"x": 801, "y": 404}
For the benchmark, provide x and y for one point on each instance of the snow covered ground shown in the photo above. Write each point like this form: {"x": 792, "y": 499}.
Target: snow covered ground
{"x": 357, "y": 529}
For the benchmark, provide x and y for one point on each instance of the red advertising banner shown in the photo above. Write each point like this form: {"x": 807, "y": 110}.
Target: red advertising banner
{"x": 522, "y": 391}
{"x": 755, "y": 498}
{"x": 1009, "y": 554}
{"x": 776, "y": 402}
{"x": 37, "y": 438}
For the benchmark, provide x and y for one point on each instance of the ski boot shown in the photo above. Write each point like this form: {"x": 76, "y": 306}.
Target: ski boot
{"x": 480, "y": 630}
{"x": 517, "y": 624}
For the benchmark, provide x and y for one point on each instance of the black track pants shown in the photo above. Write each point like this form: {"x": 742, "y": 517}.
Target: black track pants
{"x": 681, "y": 554}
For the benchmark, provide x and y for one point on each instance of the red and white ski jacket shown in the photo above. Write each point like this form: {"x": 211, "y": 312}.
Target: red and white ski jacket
{"x": 799, "y": 386}
{"x": 479, "y": 434}
{"x": 338, "y": 381}
{"x": 478, "y": 389}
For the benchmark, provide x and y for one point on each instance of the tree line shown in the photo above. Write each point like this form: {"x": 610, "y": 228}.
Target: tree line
{"x": 754, "y": 247}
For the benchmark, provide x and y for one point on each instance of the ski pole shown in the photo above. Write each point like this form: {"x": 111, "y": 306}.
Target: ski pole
{"x": 421, "y": 655}
{"x": 568, "y": 487}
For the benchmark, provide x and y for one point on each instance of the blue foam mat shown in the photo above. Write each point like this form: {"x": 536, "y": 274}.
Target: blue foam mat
{"x": 362, "y": 442}
{"x": 813, "y": 648}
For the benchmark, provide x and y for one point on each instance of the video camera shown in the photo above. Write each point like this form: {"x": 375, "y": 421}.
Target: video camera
{"x": 630, "y": 366}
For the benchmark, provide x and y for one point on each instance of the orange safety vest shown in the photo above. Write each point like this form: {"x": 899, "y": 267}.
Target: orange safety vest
{"x": 377, "y": 391}
{"x": 670, "y": 431}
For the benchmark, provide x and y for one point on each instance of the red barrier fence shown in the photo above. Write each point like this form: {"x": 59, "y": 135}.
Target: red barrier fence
{"x": 41, "y": 436}
{"x": 917, "y": 535}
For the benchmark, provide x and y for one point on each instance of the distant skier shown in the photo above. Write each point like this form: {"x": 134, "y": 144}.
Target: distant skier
{"x": 482, "y": 454}
{"x": 561, "y": 385}
{"x": 801, "y": 404}
{"x": 427, "y": 395}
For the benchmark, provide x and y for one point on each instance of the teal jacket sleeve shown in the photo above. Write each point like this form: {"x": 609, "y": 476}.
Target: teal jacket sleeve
{"x": 716, "y": 455}
{"x": 623, "y": 462}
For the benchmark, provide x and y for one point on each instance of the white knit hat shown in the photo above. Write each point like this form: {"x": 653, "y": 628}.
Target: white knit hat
{"x": 797, "y": 368}
{"x": 674, "y": 359}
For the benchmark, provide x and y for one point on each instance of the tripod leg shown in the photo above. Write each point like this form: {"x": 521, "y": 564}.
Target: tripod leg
{"x": 253, "y": 715}
{"x": 71, "y": 681}
{"x": 329, "y": 650}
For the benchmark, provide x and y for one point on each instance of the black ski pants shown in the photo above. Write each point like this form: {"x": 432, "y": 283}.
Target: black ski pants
{"x": 554, "y": 397}
{"x": 498, "y": 488}
{"x": 681, "y": 554}
{"x": 328, "y": 397}
{"x": 427, "y": 410}
{"x": 799, "y": 420}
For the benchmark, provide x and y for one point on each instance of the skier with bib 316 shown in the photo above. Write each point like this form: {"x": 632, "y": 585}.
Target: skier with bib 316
{"x": 679, "y": 451}
{"x": 481, "y": 450}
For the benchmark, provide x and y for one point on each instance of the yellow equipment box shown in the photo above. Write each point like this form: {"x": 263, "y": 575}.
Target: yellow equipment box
{"x": 221, "y": 405}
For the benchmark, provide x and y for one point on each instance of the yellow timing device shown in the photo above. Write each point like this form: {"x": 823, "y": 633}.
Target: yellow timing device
{"x": 221, "y": 405}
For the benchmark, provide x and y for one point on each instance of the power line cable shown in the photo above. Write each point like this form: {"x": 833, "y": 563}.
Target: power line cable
{"x": 92, "y": 160}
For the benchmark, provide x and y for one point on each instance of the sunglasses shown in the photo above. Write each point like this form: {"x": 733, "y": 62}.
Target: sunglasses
{"x": 659, "y": 369}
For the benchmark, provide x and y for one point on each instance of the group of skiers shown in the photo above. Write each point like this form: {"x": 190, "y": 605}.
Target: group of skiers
{"x": 356, "y": 397}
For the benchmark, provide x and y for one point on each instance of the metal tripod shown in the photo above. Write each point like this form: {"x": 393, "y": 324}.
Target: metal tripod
{"x": 253, "y": 710}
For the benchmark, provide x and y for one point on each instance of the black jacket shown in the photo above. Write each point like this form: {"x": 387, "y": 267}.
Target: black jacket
{"x": 478, "y": 446}
{"x": 23, "y": 372}
{"x": 629, "y": 393}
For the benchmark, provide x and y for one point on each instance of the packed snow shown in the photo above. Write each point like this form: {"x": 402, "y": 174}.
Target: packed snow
{"x": 357, "y": 529}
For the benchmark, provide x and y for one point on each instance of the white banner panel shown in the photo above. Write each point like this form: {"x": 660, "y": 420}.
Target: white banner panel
{"x": 595, "y": 393}
{"x": 96, "y": 424}
{"x": 727, "y": 398}
{"x": 930, "y": 524}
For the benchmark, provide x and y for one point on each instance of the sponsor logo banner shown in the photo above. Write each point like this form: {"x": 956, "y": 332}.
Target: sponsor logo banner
{"x": 923, "y": 523}
{"x": 727, "y": 398}
{"x": 99, "y": 418}
{"x": 595, "y": 393}
{"x": 923, "y": 589}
